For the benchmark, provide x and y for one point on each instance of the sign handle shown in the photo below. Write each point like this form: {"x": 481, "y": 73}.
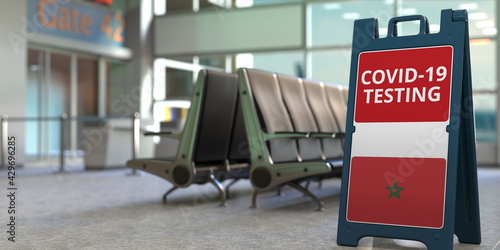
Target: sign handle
{"x": 393, "y": 29}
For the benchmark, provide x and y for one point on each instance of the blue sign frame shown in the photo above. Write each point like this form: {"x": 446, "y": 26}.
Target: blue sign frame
{"x": 461, "y": 215}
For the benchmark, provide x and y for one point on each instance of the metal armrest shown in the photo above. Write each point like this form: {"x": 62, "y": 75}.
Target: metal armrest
{"x": 326, "y": 135}
{"x": 163, "y": 134}
{"x": 295, "y": 135}
{"x": 321, "y": 135}
{"x": 340, "y": 135}
{"x": 336, "y": 163}
{"x": 291, "y": 135}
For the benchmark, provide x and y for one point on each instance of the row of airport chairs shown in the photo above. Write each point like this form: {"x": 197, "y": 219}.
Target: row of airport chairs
{"x": 270, "y": 128}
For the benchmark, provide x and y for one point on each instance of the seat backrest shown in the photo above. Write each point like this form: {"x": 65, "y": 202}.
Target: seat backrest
{"x": 269, "y": 101}
{"x": 345, "y": 92}
{"x": 337, "y": 103}
{"x": 216, "y": 118}
{"x": 327, "y": 123}
{"x": 239, "y": 151}
{"x": 303, "y": 120}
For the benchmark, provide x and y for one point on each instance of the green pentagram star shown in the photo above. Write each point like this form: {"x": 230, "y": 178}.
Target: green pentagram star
{"x": 395, "y": 190}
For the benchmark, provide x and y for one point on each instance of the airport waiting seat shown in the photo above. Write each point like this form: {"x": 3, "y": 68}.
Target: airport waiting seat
{"x": 345, "y": 92}
{"x": 213, "y": 141}
{"x": 286, "y": 144}
{"x": 337, "y": 98}
{"x": 328, "y": 122}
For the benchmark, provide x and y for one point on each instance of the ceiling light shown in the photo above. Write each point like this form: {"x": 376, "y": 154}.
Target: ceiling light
{"x": 434, "y": 28}
{"x": 160, "y": 7}
{"x": 332, "y": 6}
{"x": 468, "y": 6}
{"x": 244, "y": 60}
{"x": 351, "y": 15}
{"x": 485, "y": 24}
{"x": 408, "y": 11}
{"x": 244, "y": 3}
{"x": 220, "y": 3}
{"x": 35, "y": 67}
{"x": 382, "y": 31}
{"x": 477, "y": 16}
{"x": 490, "y": 31}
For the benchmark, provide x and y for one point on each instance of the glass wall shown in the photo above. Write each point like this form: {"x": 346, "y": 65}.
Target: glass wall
{"x": 48, "y": 92}
{"x": 330, "y": 26}
{"x": 63, "y": 82}
{"x": 483, "y": 34}
{"x": 285, "y": 62}
{"x": 484, "y": 84}
{"x": 330, "y": 65}
{"x": 330, "y": 23}
{"x": 481, "y": 14}
{"x": 115, "y": 92}
{"x": 180, "y": 84}
{"x": 34, "y": 95}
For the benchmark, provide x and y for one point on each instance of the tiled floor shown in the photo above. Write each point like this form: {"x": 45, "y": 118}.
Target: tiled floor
{"x": 112, "y": 210}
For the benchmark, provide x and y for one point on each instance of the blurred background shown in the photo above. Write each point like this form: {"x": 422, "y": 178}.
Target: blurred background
{"x": 101, "y": 61}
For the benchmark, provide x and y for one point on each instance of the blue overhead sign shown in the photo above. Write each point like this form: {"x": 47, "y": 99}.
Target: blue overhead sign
{"x": 75, "y": 20}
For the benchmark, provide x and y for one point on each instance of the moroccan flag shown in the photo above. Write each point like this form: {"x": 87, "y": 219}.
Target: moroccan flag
{"x": 397, "y": 191}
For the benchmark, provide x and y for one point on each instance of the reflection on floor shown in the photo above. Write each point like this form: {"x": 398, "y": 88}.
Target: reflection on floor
{"x": 113, "y": 210}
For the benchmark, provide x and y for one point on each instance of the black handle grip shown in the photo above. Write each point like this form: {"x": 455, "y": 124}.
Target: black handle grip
{"x": 393, "y": 30}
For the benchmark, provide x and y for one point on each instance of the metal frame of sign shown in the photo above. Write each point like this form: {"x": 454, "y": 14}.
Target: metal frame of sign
{"x": 448, "y": 167}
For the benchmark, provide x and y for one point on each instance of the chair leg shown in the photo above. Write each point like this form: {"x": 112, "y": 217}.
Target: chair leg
{"x": 307, "y": 184}
{"x": 218, "y": 185}
{"x": 168, "y": 192}
{"x": 229, "y": 185}
{"x": 254, "y": 199}
{"x": 306, "y": 192}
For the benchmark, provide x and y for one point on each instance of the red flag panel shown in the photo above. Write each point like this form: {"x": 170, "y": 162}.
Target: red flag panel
{"x": 397, "y": 191}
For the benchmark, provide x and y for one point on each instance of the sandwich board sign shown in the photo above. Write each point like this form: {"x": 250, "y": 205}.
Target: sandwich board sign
{"x": 410, "y": 168}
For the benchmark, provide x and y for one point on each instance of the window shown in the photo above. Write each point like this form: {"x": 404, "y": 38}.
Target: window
{"x": 331, "y": 23}
{"x": 331, "y": 65}
{"x": 481, "y": 14}
{"x": 326, "y": 52}
{"x": 285, "y": 62}
{"x": 482, "y": 31}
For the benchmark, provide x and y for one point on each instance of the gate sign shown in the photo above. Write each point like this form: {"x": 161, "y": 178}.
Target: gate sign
{"x": 410, "y": 167}
{"x": 77, "y": 20}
